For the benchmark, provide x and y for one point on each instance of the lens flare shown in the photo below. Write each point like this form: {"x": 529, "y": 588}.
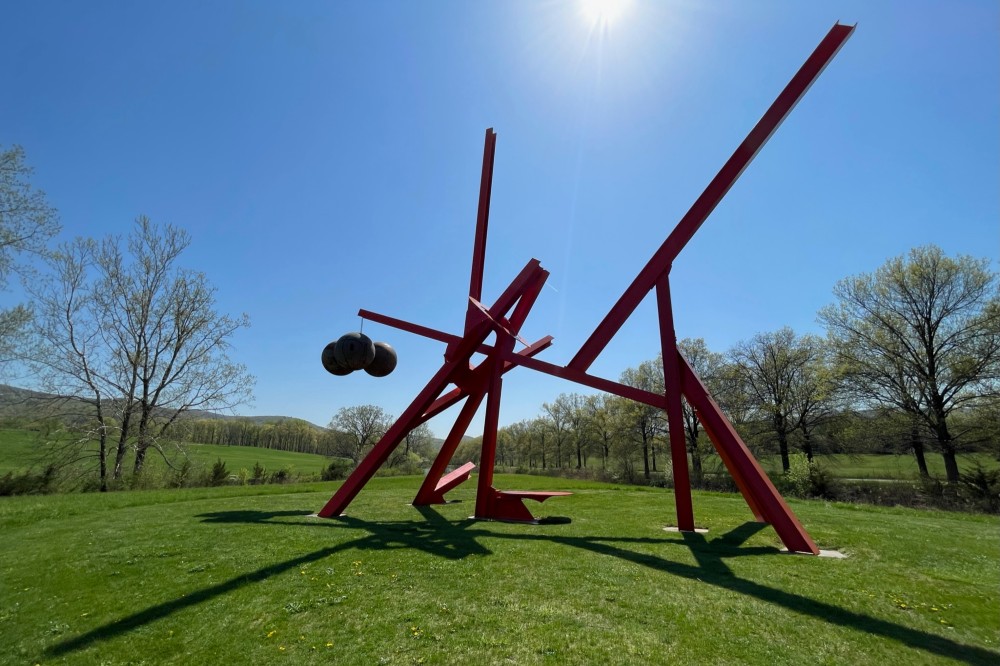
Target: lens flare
{"x": 603, "y": 12}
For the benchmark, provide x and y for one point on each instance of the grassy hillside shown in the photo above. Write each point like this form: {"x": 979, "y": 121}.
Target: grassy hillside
{"x": 21, "y": 449}
{"x": 245, "y": 575}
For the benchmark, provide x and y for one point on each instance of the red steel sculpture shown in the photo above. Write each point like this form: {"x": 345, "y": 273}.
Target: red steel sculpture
{"x": 504, "y": 318}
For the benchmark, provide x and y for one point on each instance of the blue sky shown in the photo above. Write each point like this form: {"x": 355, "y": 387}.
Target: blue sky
{"x": 325, "y": 157}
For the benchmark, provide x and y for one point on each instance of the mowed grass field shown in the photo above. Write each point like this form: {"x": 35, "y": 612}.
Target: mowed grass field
{"x": 21, "y": 449}
{"x": 245, "y": 575}
{"x": 875, "y": 466}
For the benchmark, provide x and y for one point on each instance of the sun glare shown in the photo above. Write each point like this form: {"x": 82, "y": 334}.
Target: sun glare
{"x": 603, "y": 11}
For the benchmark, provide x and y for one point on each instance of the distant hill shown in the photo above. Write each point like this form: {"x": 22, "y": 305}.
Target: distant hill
{"x": 21, "y": 403}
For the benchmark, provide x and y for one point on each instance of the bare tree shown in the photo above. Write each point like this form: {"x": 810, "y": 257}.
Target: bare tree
{"x": 922, "y": 334}
{"x": 135, "y": 337}
{"x": 779, "y": 371}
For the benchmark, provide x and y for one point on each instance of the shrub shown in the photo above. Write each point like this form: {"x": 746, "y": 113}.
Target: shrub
{"x": 29, "y": 483}
{"x": 259, "y": 474}
{"x": 338, "y": 469}
{"x": 219, "y": 474}
{"x": 283, "y": 475}
{"x": 805, "y": 478}
{"x": 980, "y": 487}
{"x": 182, "y": 475}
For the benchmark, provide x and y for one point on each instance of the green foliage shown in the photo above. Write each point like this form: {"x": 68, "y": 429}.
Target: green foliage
{"x": 338, "y": 469}
{"x": 807, "y": 478}
{"x": 28, "y": 483}
{"x": 981, "y": 486}
{"x": 219, "y": 474}
{"x": 183, "y": 474}
{"x": 259, "y": 474}
{"x": 282, "y": 475}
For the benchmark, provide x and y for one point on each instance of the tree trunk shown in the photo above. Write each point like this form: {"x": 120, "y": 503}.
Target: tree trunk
{"x": 696, "y": 470}
{"x": 104, "y": 459}
{"x": 783, "y": 449}
{"x": 645, "y": 457}
{"x": 946, "y": 444}
{"x": 807, "y": 446}
{"x": 917, "y": 445}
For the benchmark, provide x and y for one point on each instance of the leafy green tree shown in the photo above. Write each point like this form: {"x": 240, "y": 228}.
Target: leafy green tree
{"x": 921, "y": 334}
{"x": 708, "y": 366}
{"x": 640, "y": 422}
{"x": 27, "y": 224}
{"x": 359, "y": 428}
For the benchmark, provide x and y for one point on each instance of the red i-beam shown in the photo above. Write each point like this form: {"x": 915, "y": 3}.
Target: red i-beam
{"x": 504, "y": 318}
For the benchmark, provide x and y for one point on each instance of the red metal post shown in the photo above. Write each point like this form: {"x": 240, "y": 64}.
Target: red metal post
{"x": 675, "y": 415}
{"x": 366, "y": 469}
{"x": 710, "y": 198}
{"x": 744, "y": 467}
{"x": 487, "y": 459}
{"x": 428, "y": 490}
{"x": 482, "y": 223}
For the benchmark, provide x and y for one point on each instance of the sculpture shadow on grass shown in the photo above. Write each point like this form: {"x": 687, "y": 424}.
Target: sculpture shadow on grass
{"x": 456, "y": 540}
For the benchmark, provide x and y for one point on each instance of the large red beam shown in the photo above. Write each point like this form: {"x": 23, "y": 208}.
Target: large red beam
{"x": 663, "y": 258}
{"x": 482, "y": 223}
{"x": 760, "y": 493}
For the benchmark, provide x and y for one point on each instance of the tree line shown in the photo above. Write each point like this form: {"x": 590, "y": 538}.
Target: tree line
{"x": 910, "y": 363}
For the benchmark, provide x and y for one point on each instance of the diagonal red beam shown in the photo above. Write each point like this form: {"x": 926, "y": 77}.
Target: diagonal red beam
{"x": 663, "y": 258}
{"x": 453, "y": 396}
{"x": 599, "y": 383}
{"x": 756, "y": 487}
{"x": 441, "y": 336}
{"x": 482, "y": 222}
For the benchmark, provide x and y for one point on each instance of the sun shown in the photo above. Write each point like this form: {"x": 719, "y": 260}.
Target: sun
{"x": 603, "y": 11}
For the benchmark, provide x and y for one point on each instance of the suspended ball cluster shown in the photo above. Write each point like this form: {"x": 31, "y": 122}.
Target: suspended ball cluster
{"x": 356, "y": 351}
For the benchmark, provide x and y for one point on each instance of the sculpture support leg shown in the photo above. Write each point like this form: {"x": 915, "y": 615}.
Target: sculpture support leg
{"x": 428, "y": 493}
{"x": 744, "y": 467}
{"x": 484, "y": 492}
{"x": 675, "y": 414}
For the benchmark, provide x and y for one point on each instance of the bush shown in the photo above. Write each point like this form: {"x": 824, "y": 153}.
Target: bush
{"x": 28, "y": 483}
{"x": 219, "y": 475}
{"x": 805, "y": 478}
{"x": 283, "y": 475}
{"x": 182, "y": 475}
{"x": 338, "y": 469}
{"x": 259, "y": 474}
{"x": 980, "y": 487}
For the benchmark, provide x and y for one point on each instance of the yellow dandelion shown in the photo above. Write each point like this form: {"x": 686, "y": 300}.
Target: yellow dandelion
{"x": 281, "y": 648}
{"x": 329, "y": 644}
{"x": 271, "y": 633}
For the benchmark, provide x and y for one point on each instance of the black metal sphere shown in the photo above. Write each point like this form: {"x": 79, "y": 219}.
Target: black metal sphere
{"x": 354, "y": 351}
{"x": 330, "y": 362}
{"x": 385, "y": 360}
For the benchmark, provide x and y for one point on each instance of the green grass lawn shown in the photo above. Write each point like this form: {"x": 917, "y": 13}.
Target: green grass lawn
{"x": 244, "y": 575}
{"x": 19, "y": 450}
